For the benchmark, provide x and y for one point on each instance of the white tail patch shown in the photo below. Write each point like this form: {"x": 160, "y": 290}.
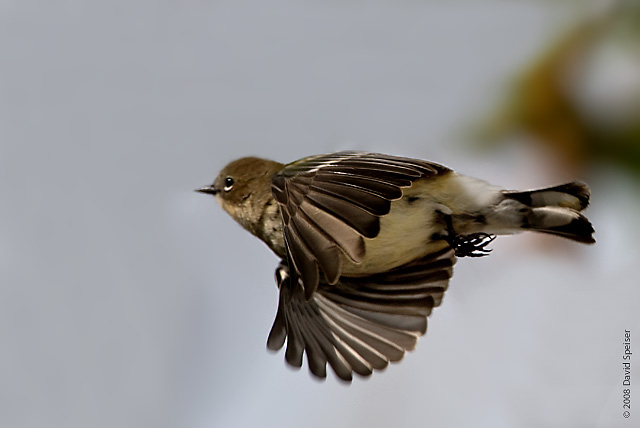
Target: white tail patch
{"x": 556, "y": 199}
{"x": 550, "y": 217}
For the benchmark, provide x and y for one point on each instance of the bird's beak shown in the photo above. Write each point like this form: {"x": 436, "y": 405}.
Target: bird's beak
{"x": 208, "y": 189}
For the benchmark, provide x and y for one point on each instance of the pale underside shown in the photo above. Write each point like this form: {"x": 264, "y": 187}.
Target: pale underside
{"x": 411, "y": 229}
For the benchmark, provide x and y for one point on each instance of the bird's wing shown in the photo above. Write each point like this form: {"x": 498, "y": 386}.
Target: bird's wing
{"x": 330, "y": 202}
{"x": 359, "y": 324}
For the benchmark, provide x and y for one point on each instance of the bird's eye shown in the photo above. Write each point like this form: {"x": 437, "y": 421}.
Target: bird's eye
{"x": 228, "y": 184}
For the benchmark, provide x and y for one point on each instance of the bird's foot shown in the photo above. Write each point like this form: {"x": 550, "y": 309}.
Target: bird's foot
{"x": 472, "y": 245}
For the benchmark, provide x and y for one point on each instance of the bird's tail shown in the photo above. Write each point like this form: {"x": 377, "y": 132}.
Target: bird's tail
{"x": 557, "y": 210}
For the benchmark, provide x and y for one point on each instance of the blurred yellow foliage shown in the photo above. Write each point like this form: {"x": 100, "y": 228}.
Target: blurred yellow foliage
{"x": 581, "y": 98}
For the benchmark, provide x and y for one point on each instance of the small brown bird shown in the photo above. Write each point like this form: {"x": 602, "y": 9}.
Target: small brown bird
{"x": 368, "y": 242}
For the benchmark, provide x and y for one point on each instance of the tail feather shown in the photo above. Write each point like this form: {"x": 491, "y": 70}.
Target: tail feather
{"x": 574, "y": 195}
{"x": 564, "y": 222}
{"x": 556, "y": 210}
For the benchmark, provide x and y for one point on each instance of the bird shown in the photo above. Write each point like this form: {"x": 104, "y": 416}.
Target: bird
{"x": 367, "y": 243}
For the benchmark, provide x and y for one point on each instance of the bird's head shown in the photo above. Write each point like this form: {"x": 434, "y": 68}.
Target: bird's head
{"x": 243, "y": 187}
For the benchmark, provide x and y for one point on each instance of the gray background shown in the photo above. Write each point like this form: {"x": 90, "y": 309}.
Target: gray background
{"x": 128, "y": 300}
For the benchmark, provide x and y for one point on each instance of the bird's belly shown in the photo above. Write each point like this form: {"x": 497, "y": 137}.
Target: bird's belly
{"x": 405, "y": 235}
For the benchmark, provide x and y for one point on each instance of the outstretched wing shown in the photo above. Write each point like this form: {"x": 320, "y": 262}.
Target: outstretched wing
{"x": 330, "y": 202}
{"x": 359, "y": 324}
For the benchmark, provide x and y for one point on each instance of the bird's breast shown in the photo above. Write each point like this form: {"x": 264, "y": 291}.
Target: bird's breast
{"x": 270, "y": 228}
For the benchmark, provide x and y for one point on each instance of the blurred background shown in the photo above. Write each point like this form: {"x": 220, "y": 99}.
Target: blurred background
{"x": 125, "y": 297}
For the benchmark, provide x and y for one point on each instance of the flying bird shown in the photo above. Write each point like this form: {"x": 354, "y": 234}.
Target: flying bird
{"x": 368, "y": 241}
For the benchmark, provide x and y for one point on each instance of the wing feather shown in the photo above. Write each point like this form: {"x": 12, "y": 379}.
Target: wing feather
{"x": 349, "y": 241}
{"x": 358, "y": 325}
{"x": 331, "y": 202}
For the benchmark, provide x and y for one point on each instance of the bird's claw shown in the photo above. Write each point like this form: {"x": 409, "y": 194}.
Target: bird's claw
{"x": 472, "y": 245}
